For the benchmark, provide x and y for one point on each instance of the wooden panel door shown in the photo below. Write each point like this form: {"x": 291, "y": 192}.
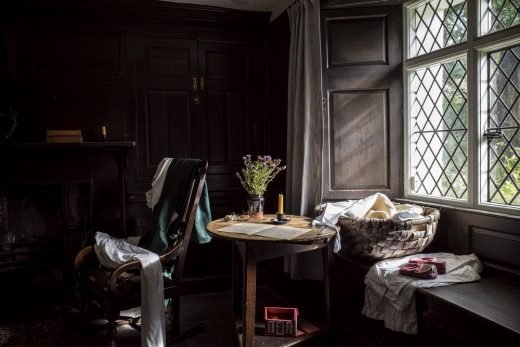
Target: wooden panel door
{"x": 169, "y": 123}
{"x": 225, "y": 87}
{"x": 361, "y": 57}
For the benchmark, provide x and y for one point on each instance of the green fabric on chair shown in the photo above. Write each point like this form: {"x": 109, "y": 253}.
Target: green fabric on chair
{"x": 202, "y": 218}
{"x": 174, "y": 195}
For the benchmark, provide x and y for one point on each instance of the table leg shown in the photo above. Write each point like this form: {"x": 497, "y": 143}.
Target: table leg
{"x": 237, "y": 282}
{"x": 326, "y": 272}
{"x": 249, "y": 296}
{"x": 328, "y": 262}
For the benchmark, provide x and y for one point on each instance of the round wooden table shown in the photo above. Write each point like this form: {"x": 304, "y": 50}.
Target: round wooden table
{"x": 250, "y": 249}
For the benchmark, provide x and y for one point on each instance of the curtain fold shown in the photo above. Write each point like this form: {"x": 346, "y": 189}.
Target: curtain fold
{"x": 304, "y": 122}
{"x": 304, "y": 127}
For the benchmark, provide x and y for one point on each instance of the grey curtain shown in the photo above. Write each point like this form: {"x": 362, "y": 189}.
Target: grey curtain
{"x": 304, "y": 121}
{"x": 304, "y": 127}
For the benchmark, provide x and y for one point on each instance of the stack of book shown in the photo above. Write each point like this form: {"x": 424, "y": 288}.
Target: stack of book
{"x": 64, "y": 136}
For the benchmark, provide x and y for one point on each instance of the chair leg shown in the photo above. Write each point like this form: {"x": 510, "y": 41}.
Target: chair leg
{"x": 83, "y": 310}
{"x": 111, "y": 328}
{"x": 82, "y": 301}
{"x": 175, "y": 322}
{"x": 112, "y": 313}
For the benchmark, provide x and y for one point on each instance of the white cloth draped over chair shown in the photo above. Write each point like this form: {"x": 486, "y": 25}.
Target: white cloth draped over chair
{"x": 111, "y": 253}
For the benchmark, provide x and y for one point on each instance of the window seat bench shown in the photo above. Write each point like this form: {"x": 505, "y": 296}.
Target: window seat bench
{"x": 478, "y": 313}
{"x": 483, "y": 313}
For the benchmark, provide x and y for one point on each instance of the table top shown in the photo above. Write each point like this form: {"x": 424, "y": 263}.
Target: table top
{"x": 315, "y": 235}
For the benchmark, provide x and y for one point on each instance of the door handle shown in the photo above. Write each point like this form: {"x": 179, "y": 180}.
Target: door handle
{"x": 195, "y": 84}
{"x": 202, "y": 85}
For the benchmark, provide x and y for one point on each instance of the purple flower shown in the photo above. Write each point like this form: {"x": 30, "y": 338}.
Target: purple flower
{"x": 257, "y": 174}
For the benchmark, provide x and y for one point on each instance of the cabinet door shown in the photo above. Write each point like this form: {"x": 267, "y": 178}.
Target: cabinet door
{"x": 361, "y": 57}
{"x": 168, "y": 123}
{"x": 226, "y": 94}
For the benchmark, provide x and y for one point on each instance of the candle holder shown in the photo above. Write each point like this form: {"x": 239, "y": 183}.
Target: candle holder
{"x": 281, "y": 218}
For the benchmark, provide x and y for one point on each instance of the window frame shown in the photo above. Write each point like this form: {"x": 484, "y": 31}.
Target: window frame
{"x": 475, "y": 48}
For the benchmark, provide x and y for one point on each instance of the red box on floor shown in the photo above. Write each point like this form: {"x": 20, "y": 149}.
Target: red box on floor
{"x": 281, "y": 321}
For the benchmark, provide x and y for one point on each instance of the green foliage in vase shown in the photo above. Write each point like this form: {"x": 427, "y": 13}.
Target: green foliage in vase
{"x": 257, "y": 174}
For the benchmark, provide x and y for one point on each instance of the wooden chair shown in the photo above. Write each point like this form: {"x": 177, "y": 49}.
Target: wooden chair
{"x": 119, "y": 289}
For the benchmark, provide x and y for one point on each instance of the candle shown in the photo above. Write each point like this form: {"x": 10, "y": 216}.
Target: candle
{"x": 280, "y": 203}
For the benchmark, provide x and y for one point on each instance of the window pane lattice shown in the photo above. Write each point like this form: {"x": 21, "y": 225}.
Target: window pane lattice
{"x": 504, "y": 115}
{"x": 437, "y": 24}
{"x": 439, "y": 117}
{"x": 500, "y": 14}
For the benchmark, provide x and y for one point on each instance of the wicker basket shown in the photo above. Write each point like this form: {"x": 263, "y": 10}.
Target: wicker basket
{"x": 387, "y": 238}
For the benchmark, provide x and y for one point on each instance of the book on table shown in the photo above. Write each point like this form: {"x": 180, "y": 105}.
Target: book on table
{"x": 266, "y": 230}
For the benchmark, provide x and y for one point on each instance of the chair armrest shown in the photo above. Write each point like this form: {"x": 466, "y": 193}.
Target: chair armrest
{"x": 172, "y": 253}
{"x": 136, "y": 265}
{"x": 80, "y": 257}
{"x": 118, "y": 271}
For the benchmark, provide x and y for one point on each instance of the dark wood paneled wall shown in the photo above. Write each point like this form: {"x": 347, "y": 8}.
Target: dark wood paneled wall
{"x": 132, "y": 67}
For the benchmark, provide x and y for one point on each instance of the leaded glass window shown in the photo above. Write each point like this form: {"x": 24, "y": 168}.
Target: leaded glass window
{"x": 439, "y": 133}
{"x": 503, "y": 125}
{"x": 499, "y": 14}
{"x": 436, "y": 24}
{"x": 463, "y": 103}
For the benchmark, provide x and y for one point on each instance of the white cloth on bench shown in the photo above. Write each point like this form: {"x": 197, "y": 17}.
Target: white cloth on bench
{"x": 390, "y": 296}
{"x": 112, "y": 252}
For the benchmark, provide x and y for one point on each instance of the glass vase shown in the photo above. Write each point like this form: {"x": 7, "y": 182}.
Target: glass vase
{"x": 255, "y": 206}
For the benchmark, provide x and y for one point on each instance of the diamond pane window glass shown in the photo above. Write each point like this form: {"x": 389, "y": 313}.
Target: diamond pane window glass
{"x": 437, "y": 24}
{"x": 499, "y": 14}
{"x": 439, "y": 134}
{"x": 503, "y": 166}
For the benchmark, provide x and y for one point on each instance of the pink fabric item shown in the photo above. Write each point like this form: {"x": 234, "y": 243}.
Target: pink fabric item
{"x": 419, "y": 270}
{"x": 440, "y": 265}
{"x": 422, "y": 260}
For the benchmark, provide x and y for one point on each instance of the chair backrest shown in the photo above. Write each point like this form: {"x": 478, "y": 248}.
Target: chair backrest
{"x": 178, "y": 251}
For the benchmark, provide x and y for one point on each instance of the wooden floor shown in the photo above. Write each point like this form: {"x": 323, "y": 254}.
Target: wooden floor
{"x": 59, "y": 325}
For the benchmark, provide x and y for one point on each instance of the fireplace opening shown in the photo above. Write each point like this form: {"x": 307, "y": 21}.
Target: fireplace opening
{"x": 42, "y": 227}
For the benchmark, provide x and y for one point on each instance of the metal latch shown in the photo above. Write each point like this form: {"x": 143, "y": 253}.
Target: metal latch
{"x": 493, "y": 133}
